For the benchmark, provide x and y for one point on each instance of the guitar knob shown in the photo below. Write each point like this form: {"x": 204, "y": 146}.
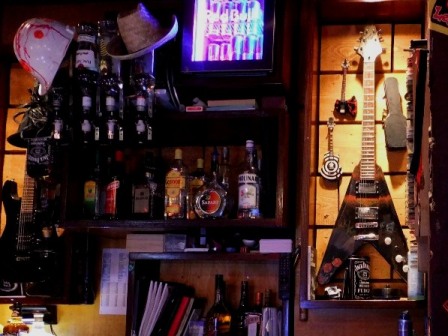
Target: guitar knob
{"x": 388, "y": 240}
{"x": 405, "y": 268}
{"x": 399, "y": 258}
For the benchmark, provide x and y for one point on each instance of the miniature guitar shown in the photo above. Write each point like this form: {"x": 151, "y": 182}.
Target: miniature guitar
{"x": 331, "y": 169}
{"x": 343, "y": 106}
{"x": 367, "y": 213}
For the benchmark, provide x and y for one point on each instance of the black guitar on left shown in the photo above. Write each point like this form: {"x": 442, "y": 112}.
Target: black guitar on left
{"x": 25, "y": 253}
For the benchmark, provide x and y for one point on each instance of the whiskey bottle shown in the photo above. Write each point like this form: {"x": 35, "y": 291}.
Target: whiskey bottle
{"x": 15, "y": 326}
{"x": 239, "y": 322}
{"x": 218, "y": 318}
{"x": 87, "y": 51}
{"x": 146, "y": 199}
{"x": 176, "y": 188}
{"x": 210, "y": 200}
{"x": 249, "y": 185}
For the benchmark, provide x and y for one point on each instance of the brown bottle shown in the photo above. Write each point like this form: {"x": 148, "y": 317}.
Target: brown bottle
{"x": 15, "y": 325}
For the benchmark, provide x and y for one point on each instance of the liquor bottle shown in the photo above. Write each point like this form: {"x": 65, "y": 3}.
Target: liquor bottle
{"x": 224, "y": 168}
{"x": 176, "y": 188}
{"x": 211, "y": 199}
{"x": 143, "y": 83}
{"x": 92, "y": 189}
{"x": 87, "y": 50}
{"x": 115, "y": 201}
{"x": 254, "y": 316}
{"x": 113, "y": 125}
{"x": 15, "y": 326}
{"x": 218, "y": 318}
{"x": 239, "y": 321}
{"x": 249, "y": 185}
{"x": 147, "y": 201}
{"x": 195, "y": 182}
{"x": 38, "y": 326}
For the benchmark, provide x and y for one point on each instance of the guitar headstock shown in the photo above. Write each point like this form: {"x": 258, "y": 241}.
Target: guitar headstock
{"x": 369, "y": 44}
{"x": 330, "y": 123}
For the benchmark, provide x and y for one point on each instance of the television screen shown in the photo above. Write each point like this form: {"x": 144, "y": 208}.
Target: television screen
{"x": 228, "y": 36}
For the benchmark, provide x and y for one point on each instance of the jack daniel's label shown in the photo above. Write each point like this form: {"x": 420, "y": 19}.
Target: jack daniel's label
{"x": 38, "y": 158}
{"x": 357, "y": 285}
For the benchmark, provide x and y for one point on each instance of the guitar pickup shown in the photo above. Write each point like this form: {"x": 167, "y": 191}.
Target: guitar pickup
{"x": 367, "y": 213}
{"x": 366, "y": 225}
{"x": 367, "y": 188}
{"x": 367, "y": 236}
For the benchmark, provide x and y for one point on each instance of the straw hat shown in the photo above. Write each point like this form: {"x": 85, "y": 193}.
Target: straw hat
{"x": 140, "y": 33}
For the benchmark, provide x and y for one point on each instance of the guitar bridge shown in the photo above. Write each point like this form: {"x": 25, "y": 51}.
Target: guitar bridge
{"x": 366, "y": 188}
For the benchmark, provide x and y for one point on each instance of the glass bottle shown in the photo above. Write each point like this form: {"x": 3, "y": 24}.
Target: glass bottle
{"x": 87, "y": 51}
{"x": 143, "y": 83}
{"x": 115, "y": 201}
{"x": 38, "y": 326}
{"x": 146, "y": 200}
{"x": 15, "y": 325}
{"x": 249, "y": 185}
{"x": 218, "y": 318}
{"x": 92, "y": 189}
{"x": 195, "y": 182}
{"x": 254, "y": 316}
{"x": 176, "y": 188}
{"x": 239, "y": 325}
{"x": 211, "y": 199}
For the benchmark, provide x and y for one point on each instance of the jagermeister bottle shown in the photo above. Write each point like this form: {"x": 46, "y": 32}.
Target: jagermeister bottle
{"x": 219, "y": 318}
{"x": 249, "y": 185}
{"x": 176, "y": 188}
{"x": 210, "y": 200}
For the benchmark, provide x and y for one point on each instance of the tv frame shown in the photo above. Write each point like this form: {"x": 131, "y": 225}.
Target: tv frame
{"x": 262, "y": 67}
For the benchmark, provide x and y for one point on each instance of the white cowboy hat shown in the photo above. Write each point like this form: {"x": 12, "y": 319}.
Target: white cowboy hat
{"x": 140, "y": 33}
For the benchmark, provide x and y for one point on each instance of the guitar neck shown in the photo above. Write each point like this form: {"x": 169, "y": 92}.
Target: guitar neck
{"x": 28, "y": 197}
{"x": 368, "y": 160}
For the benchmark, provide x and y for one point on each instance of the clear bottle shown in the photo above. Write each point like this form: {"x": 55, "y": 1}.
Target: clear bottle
{"x": 254, "y": 316}
{"x": 176, "y": 188}
{"x": 38, "y": 326}
{"x": 249, "y": 185}
{"x": 239, "y": 322}
{"x": 195, "y": 182}
{"x": 219, "y": 317}
{"x": 211, "y": 199}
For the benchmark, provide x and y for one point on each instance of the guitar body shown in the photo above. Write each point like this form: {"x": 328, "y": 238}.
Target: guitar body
{"x": 346, "y": 106}
{"x": 367, "y": 215}
{"x": 23, "y": 257}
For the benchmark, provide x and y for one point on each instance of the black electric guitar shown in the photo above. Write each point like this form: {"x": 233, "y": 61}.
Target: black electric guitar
{"x": 331, "y": 170}
{"x": 367, "y": 213}
{"x": 343, "y": 106}
{"x": 25, "y": 255}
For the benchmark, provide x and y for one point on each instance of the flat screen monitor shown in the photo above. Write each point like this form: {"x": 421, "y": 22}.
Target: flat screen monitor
{"x": 228, "y": 37}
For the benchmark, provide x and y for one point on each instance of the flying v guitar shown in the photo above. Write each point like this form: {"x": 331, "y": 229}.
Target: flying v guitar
{"x": 367, "y": 213}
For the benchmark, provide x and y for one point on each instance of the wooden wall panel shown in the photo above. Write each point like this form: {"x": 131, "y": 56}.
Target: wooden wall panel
{"x": 338, "y": 43}
{"x": 347, "y": 144}
{"x": 404, "y": 33}
{"x": 19, "y": 83}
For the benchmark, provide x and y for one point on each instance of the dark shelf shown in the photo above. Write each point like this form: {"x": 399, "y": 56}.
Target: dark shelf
{"x": 362, "y": 304}
{"x": 201, "y": 256}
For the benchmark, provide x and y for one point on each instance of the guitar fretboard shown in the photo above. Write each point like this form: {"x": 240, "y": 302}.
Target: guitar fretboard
{"x": 368, "y": 161}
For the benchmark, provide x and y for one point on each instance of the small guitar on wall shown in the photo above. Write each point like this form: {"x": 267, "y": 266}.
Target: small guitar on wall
{"x": 343, "y": 106}
{"x": 331, "y": 170}
{"x": 367, "y": 213}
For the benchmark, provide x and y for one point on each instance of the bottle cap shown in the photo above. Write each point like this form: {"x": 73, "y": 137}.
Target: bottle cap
{"x": 249, "y": 144}
{"x": 178, "y": 154}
